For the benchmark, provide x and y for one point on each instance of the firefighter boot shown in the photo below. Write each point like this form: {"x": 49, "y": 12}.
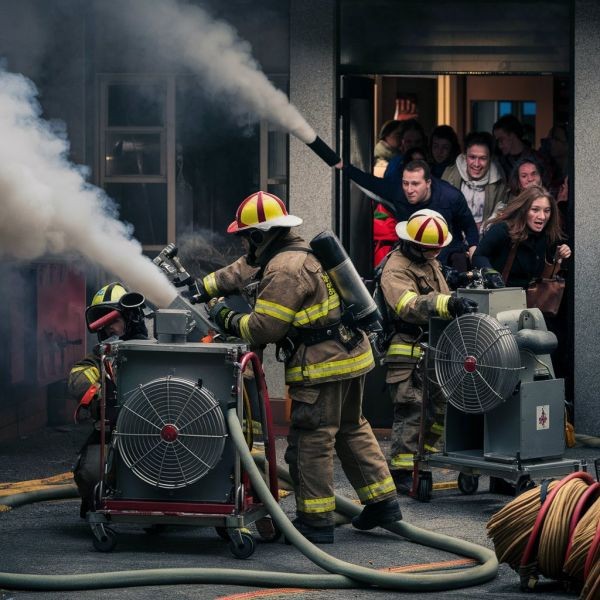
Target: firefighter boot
{"x": 316, "y": 535}
{"x": 384, "y": 512}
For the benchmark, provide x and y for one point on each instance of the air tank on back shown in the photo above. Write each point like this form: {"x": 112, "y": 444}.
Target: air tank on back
{"x": 359, "y": 307}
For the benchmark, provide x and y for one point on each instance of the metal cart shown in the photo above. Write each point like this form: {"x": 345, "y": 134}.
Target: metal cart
{"x": 505, "y": 408}
{"x": 167, "y": 458}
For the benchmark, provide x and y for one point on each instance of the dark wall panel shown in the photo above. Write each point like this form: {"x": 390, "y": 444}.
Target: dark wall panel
{"x": 462, "y": 36}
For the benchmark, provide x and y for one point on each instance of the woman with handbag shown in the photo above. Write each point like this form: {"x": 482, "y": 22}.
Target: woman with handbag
{"x": 525, "y": 241}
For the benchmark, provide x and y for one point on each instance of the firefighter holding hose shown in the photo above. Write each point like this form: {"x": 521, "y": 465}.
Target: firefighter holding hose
{"x": 113, "y": 313}
{"x": 415, "y": 289}
{"x": 296, "y": 307}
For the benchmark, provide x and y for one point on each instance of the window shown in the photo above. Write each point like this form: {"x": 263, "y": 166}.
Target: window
{"x": 486, "y": 112}
{"x": 178, "y": 163}
{"x": 137, "y": 157}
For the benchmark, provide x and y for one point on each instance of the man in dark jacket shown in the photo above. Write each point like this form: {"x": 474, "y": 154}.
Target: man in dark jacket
{"x": 419, "y": 190}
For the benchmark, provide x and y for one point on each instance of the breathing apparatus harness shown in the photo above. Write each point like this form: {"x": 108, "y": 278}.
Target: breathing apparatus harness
{"x": 391, "y": 325}
{"x": 343, "y": 330}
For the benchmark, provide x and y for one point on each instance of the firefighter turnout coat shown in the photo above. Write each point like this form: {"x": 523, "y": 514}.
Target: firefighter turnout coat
{"x": 325, "y": 378}
{"x": 414, "y": 292}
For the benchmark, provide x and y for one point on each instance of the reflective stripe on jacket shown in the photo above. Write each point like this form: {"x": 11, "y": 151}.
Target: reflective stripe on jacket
{"x": 83, "y": 374}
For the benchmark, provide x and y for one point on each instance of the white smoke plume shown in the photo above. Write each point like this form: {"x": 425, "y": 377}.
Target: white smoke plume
{"x": 49, "y": 208}
{"x": 213, "y": 50}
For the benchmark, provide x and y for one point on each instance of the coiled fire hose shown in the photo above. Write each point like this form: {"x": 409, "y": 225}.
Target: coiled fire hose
{"x": 341, "y": 574}
{"x": 553, "y": 530}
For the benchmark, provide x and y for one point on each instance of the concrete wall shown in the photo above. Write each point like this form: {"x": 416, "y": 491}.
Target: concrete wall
{"x": 586, "y": 133}
{"x": 312, "y": 91}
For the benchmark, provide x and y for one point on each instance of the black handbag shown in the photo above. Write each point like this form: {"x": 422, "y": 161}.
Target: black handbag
{"x": 545, "y": 293}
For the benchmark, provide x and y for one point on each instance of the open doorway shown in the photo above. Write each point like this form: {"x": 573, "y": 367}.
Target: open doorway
{"x": 541, "y": 103}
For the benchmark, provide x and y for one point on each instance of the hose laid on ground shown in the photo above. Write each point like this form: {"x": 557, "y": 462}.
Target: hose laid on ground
{"x": 55, "y": 492}
{"x": 341, "y": 574}
{"x": 553, "y": 530}
{"x": 587, "y": 440}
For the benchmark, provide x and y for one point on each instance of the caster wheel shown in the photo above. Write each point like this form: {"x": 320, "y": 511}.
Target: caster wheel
{"x": 267, "y": 529}
{"x": 244, "y": 546}
{"x": 468, "y": 484}
{"x": 425, "y": 487}
{"x": 524, "y": 484}
{"x": 222, "y": 531}
{"x": 106, "y": 542}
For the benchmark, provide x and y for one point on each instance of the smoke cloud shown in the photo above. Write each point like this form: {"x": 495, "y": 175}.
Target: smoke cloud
{"x": 212, "y": 50}
{"x": 49, "y": 208}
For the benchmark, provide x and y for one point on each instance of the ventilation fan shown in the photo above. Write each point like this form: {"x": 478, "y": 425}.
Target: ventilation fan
{"x": 477, "y": 363}
{"x": 170, "y": 432}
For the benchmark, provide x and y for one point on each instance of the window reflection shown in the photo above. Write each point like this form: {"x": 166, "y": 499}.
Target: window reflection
{"x": 486, "y": 112}
{"x": 133, "y": 154}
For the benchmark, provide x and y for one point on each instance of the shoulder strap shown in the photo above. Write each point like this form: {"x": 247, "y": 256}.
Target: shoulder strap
{"x": 509, "y": 262}
{"x": 266, "y": 259}
{"x": 379, "y": 268}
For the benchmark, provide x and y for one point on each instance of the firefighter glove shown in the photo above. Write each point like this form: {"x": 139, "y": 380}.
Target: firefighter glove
{"x": 177, "y": 282}
{"x": 199, "y": 293}
{"x": 493, "y": 280}
{"x": 455, "y": 279}
{"x": 224, "y": 317}
{"x": 461, "y": 306}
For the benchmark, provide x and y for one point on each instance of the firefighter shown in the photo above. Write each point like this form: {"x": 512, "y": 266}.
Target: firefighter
{"x": 84, "y": 377}
{"x": 296, "y": 307}
{"x": 415, "y": 290}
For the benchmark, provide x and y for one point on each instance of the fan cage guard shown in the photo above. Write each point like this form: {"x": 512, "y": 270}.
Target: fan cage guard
{"x": 170, "y": 432}
{"x": 476, "y": 363}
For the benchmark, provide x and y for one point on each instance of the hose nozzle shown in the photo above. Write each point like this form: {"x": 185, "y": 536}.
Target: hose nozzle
{"x": 324, "y": 152}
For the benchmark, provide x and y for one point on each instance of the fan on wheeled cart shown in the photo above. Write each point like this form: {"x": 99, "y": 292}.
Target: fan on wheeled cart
{"x": 168, "y": 458}
{"x": 505, "y": 408}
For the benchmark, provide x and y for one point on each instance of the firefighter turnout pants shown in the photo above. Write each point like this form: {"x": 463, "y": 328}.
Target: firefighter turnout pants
{"x": 406, "y": 391}
{"x": 327, "y": 418}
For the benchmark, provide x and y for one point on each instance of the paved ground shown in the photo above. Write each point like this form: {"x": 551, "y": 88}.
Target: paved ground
{"x": 49, "y": 538}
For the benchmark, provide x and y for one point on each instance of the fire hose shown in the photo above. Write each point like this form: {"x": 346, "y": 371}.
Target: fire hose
{"x": 341, "y": 574}
{"x": 553, "y": 530}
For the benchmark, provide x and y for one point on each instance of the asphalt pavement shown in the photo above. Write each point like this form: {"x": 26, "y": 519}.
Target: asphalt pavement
{"x": 50, "y": 538}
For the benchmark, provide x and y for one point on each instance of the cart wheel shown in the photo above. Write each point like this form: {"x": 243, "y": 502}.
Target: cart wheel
{"x": 106, "y": 542}
{"x": 425, "y": 487}
{"x": 468, "y": 484}
{"x": 222, "y": 531}
{"x": 244, "y": 547}
{"x": 267, "y": 529}
{"x": 523, "y": 484}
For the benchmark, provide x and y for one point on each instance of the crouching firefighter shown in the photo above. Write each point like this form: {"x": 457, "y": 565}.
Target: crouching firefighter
{"x": 414, "y": 289}
{"x": 325, "y": 365}
{"x": 84, "y": 383}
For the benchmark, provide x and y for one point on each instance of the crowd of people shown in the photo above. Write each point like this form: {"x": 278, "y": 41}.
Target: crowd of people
{"x": 490, "y": 172}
